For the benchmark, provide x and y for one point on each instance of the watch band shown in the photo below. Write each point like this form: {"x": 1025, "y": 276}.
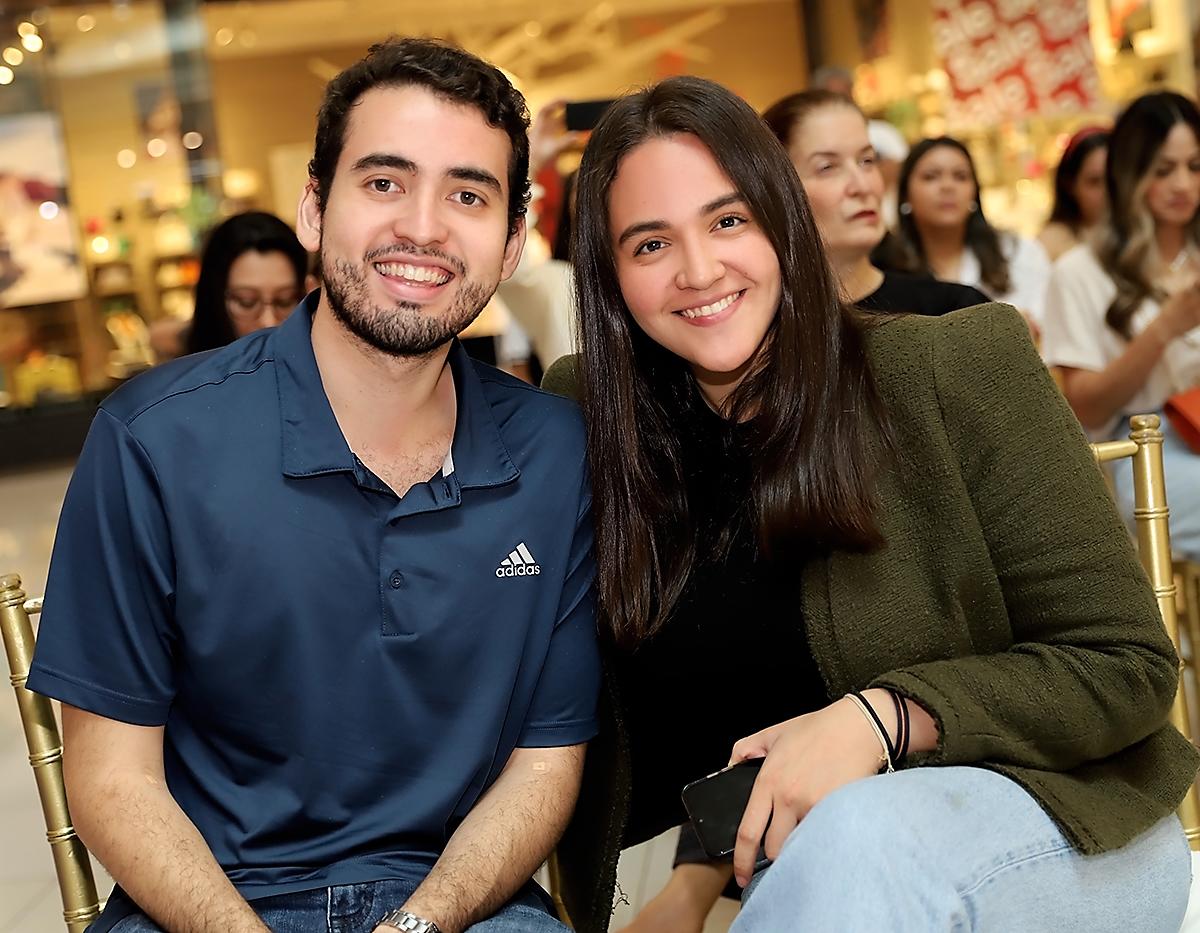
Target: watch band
{"x": 407, "y": 922}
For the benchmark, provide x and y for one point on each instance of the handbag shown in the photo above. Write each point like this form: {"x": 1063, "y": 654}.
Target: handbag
{"x": 1183, "y": 413}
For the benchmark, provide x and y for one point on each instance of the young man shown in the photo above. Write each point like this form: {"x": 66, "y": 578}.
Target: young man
{"x": 320, "y": 610}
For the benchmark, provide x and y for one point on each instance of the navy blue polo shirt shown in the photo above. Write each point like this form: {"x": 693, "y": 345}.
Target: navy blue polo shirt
{"x": 341, "y": 673}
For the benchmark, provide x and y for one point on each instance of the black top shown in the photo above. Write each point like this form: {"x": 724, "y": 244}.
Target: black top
{"x": 732, "y": 659}
{"x": 906, "y": 293}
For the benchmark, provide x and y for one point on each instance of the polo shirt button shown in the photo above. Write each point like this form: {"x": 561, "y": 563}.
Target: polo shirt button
{"x": 397, "y": 580}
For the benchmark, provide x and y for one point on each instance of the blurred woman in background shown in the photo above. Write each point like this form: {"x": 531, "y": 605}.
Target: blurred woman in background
{"x": 826, "y": 136}
{"x": 1079, "y": 198}
{"x": 1121, "y": 317}
{"x": 943, "y": 231}
{"x": 252, "y": 275}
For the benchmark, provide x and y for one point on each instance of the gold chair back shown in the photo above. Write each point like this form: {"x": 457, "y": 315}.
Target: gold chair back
{"x": 1144, "y": 447}
{"x": 75, "y": 882}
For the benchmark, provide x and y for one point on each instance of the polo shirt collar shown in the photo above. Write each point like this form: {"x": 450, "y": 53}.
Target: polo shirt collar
{"x": 313, "y": 442}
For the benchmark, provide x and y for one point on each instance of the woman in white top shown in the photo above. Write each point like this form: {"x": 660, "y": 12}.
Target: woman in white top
{"x": 1123, "y": 311}
{"x": 943, "y": 231}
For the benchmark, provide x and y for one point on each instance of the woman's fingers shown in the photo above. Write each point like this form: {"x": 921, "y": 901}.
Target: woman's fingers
{"x": 750, "y": 832}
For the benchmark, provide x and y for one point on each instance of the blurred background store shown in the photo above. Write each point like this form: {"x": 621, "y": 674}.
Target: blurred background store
{"x": 130, "y": 128}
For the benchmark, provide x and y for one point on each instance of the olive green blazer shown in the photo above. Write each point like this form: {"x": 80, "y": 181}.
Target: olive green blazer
{"x": 1008, "y": 602}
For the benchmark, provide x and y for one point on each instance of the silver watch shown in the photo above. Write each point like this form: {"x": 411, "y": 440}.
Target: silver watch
{"x": 408, "y": 923}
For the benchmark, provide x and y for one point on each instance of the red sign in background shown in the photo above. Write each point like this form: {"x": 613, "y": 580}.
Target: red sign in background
{"x": 1011, "y": 59}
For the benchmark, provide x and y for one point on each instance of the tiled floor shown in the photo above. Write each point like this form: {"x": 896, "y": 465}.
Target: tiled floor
{"x": 29, "y": 902}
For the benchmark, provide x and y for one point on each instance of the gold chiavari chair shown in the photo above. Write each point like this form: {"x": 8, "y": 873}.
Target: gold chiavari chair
{"x": 1144, "y": 447}
{"x": 75, "y": 882}
{"x": 1187, "y": 579}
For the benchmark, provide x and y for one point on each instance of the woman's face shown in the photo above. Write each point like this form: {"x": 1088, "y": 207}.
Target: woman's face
{"x": 695, "y": 268}
{"x": 1173, "y": 191}
{"x": 941, "y": 191}
{"x": 1089, "y": 187}
{"x": 841, "y": 177}
{"x": 261, "y": 291}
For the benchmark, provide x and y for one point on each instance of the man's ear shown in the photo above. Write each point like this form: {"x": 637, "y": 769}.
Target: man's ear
{"x": 512, "y": 250}
{"x": 309, "y": 218}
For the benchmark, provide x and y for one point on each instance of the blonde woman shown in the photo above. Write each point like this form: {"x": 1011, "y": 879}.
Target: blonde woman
{"x": 1123, "y": 312}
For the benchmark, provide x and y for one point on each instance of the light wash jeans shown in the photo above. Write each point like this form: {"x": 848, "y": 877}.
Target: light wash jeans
{"x": 356, "y": 908}
{"x": 954, "y": 849}
{"x": 1181, "y": 468}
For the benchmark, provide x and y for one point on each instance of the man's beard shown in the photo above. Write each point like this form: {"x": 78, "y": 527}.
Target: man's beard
{"x": 403, "y": 328}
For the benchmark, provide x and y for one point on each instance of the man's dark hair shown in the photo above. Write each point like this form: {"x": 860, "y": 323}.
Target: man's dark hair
{"x": 443, "y": 70}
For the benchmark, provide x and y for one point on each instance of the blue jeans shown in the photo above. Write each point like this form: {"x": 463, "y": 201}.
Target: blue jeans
{"x": 356, "y": 908}
{"x": 955, "y": 849}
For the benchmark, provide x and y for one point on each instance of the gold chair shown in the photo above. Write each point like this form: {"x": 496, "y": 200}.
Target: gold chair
{"x": 1144, "y": 447}
{"x": 75, "y": 882}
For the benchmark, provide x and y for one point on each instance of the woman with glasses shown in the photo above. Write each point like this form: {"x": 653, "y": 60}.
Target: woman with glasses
{"x": 251, "y": 276}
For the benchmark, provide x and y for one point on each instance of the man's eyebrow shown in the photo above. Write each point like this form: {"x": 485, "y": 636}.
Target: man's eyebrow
{"x": 385, "y": 160}
{"x": 478, "y": 175}
{"x": 653, "y": 226}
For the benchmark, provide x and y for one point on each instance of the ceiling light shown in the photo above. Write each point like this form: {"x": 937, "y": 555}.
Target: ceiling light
{"x": 48, "y": 210}
{"x": 26, "y": 29}
{"x": 157, "y": 148}
{"x": 14, "y": 56}
{"x": 192, "y": 140}
{"x": 85, "y": 23}
{"x": 6, "y": 75}
{"x": 126, "y": 158}
{"x": 32, "y": 43}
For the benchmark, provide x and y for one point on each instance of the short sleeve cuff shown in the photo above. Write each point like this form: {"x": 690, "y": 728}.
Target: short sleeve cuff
{"x": 95, "y": 699}
{"x": 559, "y": 734}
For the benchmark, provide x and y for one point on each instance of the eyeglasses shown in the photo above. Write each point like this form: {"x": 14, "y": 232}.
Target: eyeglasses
{"x": 251, "y": 305}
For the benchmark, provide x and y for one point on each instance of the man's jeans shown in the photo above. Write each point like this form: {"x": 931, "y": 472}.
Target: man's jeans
{"x": 356, "y": 908}
{"x": 933, "y": 850}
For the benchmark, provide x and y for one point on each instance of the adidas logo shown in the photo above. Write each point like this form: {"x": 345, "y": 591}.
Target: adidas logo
{"x": 519, "y": 563}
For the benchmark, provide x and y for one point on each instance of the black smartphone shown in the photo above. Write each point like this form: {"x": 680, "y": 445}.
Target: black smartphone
{"x": 585, "y": 114}
{"x": 717, "y": 803}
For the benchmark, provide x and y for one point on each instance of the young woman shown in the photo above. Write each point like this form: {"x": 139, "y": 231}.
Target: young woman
{"x": 794, "y": 502}
{"x": 826, "y": 136}
{"x": 1122, "y": 314}
{"x": 251, "y": 276}
{"x": 1079, "y": 199}
{"x": 943, "y": 231}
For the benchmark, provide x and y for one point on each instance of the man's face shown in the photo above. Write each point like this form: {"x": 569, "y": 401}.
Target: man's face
{"x": 414, "y": 237}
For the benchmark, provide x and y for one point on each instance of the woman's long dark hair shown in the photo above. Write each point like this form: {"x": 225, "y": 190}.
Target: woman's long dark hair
{"x": 1066, "y": 205}
{"x": 253, "y": 230}
{"x": 1126, "y": 248}
{"x": 906, "y": 250}
{"x": 810, "y": 403}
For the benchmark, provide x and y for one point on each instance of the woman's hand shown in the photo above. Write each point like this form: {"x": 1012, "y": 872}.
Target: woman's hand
{"x": 549, "y": 137}
{"x": 806, "y": 758}
{"x": 1179, "y": 314}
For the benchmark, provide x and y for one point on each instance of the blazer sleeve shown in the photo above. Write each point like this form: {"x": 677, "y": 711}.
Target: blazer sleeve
{"x": 1091, "y": 669}
{"x": 562, "y": 378}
